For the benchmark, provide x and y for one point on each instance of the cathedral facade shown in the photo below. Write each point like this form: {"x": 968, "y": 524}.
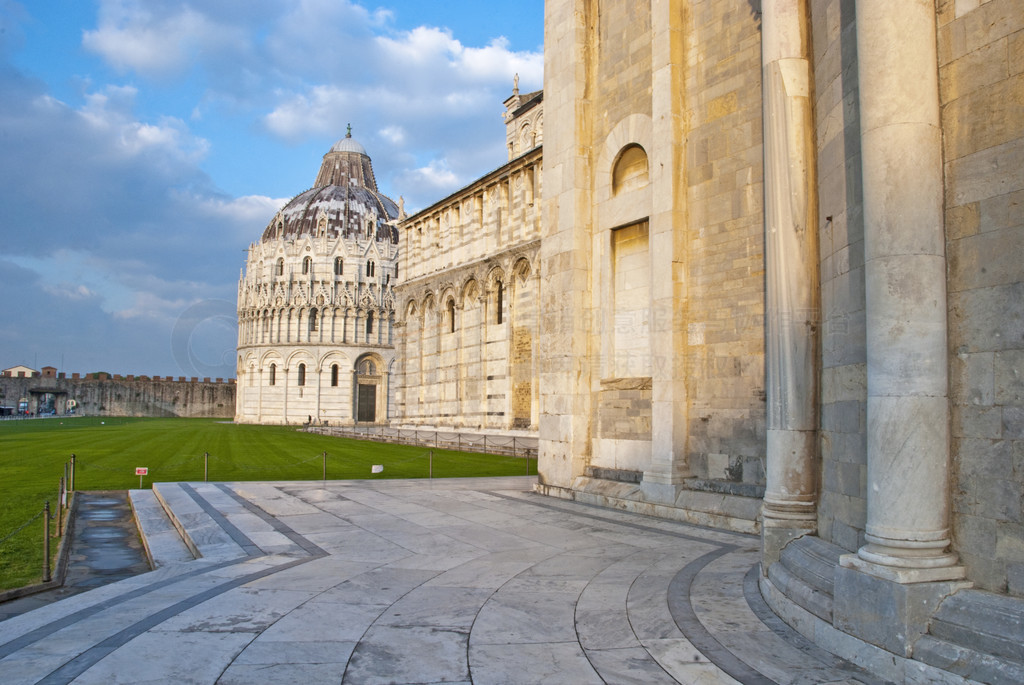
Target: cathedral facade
{"x": 781, "y": 294}
{"x": 467, "y": 349}
{"x": 316, "y": 302}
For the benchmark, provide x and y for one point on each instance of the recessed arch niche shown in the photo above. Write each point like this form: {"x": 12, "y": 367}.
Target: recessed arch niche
{"x": 630, "y": 169}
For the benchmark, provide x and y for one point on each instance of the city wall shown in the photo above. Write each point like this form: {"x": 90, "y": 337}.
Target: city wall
{"x": 115, "y": 395}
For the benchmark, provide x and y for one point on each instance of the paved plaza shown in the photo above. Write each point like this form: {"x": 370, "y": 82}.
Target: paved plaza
{"x": 444, "y": 581}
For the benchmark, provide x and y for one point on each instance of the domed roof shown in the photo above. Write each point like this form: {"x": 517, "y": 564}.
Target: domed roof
{"x": 346, "y": 210}
{"x": 348, "y": 144}
{"x": 345, "y": 199}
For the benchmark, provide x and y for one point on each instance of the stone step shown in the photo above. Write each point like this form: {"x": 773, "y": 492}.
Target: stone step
{"x": 983, "y": 621}
{"x": 247, "y": 524}
{"x": 977, "y": 635}
{"x": 162, "y": 541}
{"x": 805, "y": 573}
{"x": 797, "y": 590}
{"x": 204, "y": 534}
{"x": 971, "y": 664}
{"x": 814, "y": 561}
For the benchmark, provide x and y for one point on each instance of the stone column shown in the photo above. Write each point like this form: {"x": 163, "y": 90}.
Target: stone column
{"x": 886, "y": 593}
{"x": 905, "y": 275}
{"x": 791, "y": 277}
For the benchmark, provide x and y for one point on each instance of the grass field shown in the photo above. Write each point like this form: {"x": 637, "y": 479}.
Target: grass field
{"x": 107, "y": 451}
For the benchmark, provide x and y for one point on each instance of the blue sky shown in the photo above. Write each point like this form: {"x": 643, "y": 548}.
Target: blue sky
{"x": 144, "y": 144}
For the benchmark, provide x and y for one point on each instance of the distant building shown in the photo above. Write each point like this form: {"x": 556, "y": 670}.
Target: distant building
{"x": 316, "y": 302}
{"x": 19, "y": 371}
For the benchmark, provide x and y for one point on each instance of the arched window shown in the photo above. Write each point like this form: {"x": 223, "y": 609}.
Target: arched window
{"x": 312, "y": 320}
{"x": 339, "y": 266}
{"x": 334, "y": 375}
{"x": 500, "y": 302}
{"x": 370, "y": 268}
{"x": 369, "y": 322}
{"x": 307, "y": 265}
{"x": 451, "y": 316}
{"x": 279, "y": 269}
{"x": 302, "y": 374}
{"x": 273, "y": 374}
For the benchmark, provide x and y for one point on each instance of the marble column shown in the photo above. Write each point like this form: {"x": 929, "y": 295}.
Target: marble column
{"x": 791, "y": 277}
{"x": 905, "y": 273}
{"x": 886, "y": 592}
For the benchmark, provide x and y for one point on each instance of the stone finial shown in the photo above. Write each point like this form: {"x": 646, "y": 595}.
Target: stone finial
{"x": 515, "y": 84}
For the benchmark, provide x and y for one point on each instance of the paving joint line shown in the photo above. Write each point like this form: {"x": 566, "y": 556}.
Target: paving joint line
{"x": 283, "y": 528}
{"x": 681, "y": 608}
{"x": 87, "y": 659}
{"x": 236, "y": 535}
{"x": 41, "y": 632}
{"x": 628, "y": 524}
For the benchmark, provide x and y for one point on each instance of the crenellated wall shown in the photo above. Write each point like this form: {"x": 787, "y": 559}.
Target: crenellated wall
{"x": 106, "y": 395}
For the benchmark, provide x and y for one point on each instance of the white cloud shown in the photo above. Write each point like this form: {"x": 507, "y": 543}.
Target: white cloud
{"x": 113, "y": 228}
{"x": 433, "y": 181}
{"x": 70, "y": 291}
{"x": 110, "y": 114}
{"x": 150, "y": 39}
{"x": 393, "y": 134}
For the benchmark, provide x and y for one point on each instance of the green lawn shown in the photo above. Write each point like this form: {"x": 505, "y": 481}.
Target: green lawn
{"x": 33, "y": 454}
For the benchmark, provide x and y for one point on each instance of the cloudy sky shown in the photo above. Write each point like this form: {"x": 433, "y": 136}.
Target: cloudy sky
{"x": 144, "y": 144}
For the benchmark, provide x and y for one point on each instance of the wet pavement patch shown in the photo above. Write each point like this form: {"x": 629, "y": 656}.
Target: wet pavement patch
{"x": 105, "y": 548}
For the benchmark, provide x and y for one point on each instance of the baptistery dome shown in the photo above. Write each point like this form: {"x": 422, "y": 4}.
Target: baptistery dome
{"x": 316, "y": 302}
{"x": 343, "y": 201}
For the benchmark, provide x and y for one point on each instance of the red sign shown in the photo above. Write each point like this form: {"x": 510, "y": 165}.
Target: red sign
{"x": 141, "y": 471}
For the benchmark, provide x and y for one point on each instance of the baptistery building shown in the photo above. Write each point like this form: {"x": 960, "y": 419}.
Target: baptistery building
{"x": 316, "y": 303}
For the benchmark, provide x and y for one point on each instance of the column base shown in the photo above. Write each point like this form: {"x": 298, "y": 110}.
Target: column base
{"x": 782, "y": 521}
{"x": 775, "y": 535}
{"x": 890, "y": 607}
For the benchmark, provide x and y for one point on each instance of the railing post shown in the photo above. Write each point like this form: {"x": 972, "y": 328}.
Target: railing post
{"x": 325, "y": 466}
{"x": 60, "y": 507}
{"x": 206, "y": 467}
{"x": 72, "y": 472}
{"x": 46, "y": 542}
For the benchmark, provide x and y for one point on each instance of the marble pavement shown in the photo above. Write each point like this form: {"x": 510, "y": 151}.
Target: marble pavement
{"x": 387, "y": 581}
